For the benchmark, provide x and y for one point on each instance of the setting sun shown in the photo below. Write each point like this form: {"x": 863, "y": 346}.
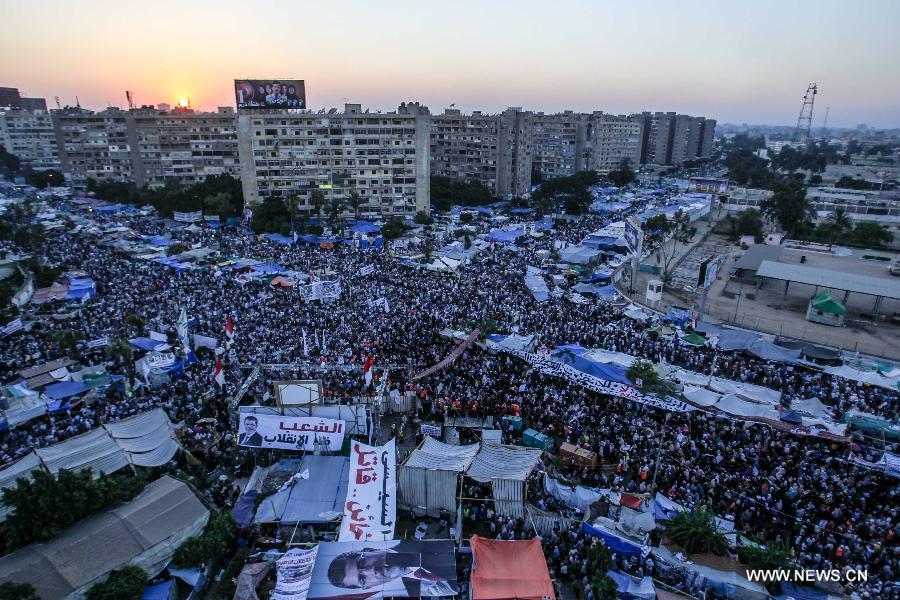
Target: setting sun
{"x": 184, "y": 102}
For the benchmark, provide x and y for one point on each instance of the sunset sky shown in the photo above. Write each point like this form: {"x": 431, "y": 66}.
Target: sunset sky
{"x": 737, "y": 61}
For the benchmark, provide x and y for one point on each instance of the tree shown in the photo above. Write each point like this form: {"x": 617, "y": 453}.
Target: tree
{"x": 214, "y": 542}
{"x": 10, "y": 590}
{"x": 746, "y": 168}
{"x": 870, "y": 233}
{"x": 643, "y": 371}
{"x": 623, "y": 175}
{"x": 67, "y": 340}
{"x": 840, "y": 222}
{"x": 695, "y": 531}
{"x": 466, "y": 217}
{"x": 393, "y": 229}
{"x": 446, "y": 191}
{"x": 423, "y": 218}
{"x": 292, "y": 202}
{"x": 125, "y": 584}
{"x": 355, "y": 202}
{"x": 218, "y": 204}
{"x": 9, "y": 163}
{"x": 317, "y": 200}
{"x": 815, "y": 179}
{"x": 43, "y": 179}
{"x": 854, "y": 184}
{"x": 772, "y": 556}
{"x": 119, "y": 350}
{"x": 788, "y": 206}
{"x": 136, "y": 321}
{"x": 599, "y": 565}
{"x": 334, "y": 208}
{"x": 681, "y": 234}
{"x": 270, "y": 216}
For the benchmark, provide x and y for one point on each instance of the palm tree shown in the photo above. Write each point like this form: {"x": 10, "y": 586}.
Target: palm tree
{"x": 840, "y": 222}
{"x": 119, "y": 350}
{"x": 136, "y": 321}
{"x": 317, "y": 199}
{"x": 333, "y": 209}
{"x": 67, "y": 339}
{"x": 355, "y": 202}
{"x": 293, "y": 203}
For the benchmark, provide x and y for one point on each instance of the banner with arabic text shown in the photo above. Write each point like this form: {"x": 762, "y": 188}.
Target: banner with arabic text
{"x": 294, "y": 572}
{"x": 290, "y": 433}
{"x": 371, "y": 508}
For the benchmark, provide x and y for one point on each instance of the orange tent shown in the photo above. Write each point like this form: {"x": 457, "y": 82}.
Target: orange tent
{"x": 508, "y": 570}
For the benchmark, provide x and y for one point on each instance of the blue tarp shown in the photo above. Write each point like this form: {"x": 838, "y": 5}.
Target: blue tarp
{"x": 678, "y": 315}
{"x": 606, "y": 371}
{"x": 365, "y": 227}
{"x": 792, "y": 590}
{"x": 160, "y": 591}
{"x": 161, "y": 241}
{"x": 214, "y": 224}
{"x": 280, "y": 239}
{"x": 576, "y": 349}
{"x": 172, "y": 262}
{"x": 111, "y": 208}
{"x": 601, "y": 242}
{"x": 595, "y": 277}
{"x": 268, "y": 268}
{"x": 65, "y": 389}
{"x": 615, "y": 544}
{"x": 521, "y": 211}
{"x": 242, "y": 513}
{"x": 505, "y": 237}
{"x": 79, "y": 287}
{"x": 319, "y": 499}
{"x": 146, "y": 344}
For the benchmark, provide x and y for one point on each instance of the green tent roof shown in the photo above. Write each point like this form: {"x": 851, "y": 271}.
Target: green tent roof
{"x": 695, "y": 339}
{"x": 827, "y": 303}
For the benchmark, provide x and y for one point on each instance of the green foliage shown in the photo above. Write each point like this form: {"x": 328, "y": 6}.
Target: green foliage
{"x": 569, "y": 192}
{"x": 355, "y": 202}
{"x": 44, "y": 275}
{"x": 466, "y": 218}
{"x": 423, "y": 218}
{"x": 176, "y": 249}
{"x": 815, "y": 179}
{"x": 394, "y": 229}
{"x": 623, "y": 175}
{"x": 68, "y": 339}
{"x": 643, "y": 370}
{"x": 125, "y": 584}
{"x": 658, "y": 227}
{"x": 225, "y": 588}
{"x": 216, "y": 540}
{"x": 10, "y": 590}
{"x": 317, "y": 201}
{"x": 745, "y": 168}
{"x": 536, "y": 176}
{"x": 270, "y": 215}
{"x": 445, "y": 192}
{"x": 9, "y": 163}
{"x": 871, "y": 234}
{"x": 599, "y": 564}
{"x": 43, "y": 179}
{"x": 333, "y": 209}
{"x": 743, "y": 141}
{"x": 811, "y": 158}
{"x": 854, "y": 184}
{"x": 695, "y": 531}
{"x": 136, "y": 321}
{"x": 748, "y": 222}
{"x": 773, "y": 556}
{"x": 220, "y": 195}
{"x": 789, "y": 206}
{"x": 46, "y": 505}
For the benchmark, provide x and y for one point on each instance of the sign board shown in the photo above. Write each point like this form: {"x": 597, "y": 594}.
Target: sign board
{"x": 188, "y": 217}
{"x": 98, "y": 343}
{"x": 269, "y": 93}
{"x": 290, "y": 433}
{"x": 708, "y": 270}
{"x": 432, "y": 430}
{"x": 294, "y": 572}
{"x": 298, "y": 393}
{"x": 634, "y": 236}
{"x": 371, "y": 508}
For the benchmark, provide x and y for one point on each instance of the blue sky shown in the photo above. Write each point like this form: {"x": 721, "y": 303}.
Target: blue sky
{"x": 735, "y": 61}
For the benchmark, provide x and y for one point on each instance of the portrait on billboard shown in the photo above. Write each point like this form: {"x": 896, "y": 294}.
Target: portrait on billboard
{"x": 270, "y": 93}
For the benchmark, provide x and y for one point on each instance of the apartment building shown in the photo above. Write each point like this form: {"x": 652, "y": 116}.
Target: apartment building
{"x": 146, "y": 146}
{"x": 614, "y": 138}
{"x": 384, "y": 157}
{"x": 860, "y": 205}
{"x": 29, "y": 135}
{"x": 671, "y": 139}
{"x": 467, "y": 147}
{"x": 561, "y": 145}
{"x": 11, "y": 98}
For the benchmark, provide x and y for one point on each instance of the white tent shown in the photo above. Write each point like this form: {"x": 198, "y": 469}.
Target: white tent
{"x": 428, "y": 480}
{"x": 506, "y": 468}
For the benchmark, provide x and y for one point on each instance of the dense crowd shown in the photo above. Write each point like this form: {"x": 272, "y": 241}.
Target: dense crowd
{"x": 775, "y": 486}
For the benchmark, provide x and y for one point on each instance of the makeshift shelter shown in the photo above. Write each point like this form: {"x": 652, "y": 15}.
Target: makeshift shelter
{"x": 826, "y": 309}
{"x": 506, "y": 468}
{"x": 143, "y": 532}
{"x": 428, "y": 482}
{"x": 504, "y": 569}
{"x": 317, "y": 497}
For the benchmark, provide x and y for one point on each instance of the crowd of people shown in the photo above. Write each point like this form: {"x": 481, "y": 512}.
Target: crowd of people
{"x": 775, "y": 486}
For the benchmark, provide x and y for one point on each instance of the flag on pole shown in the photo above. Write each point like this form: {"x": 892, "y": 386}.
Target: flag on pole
{"x": 219, "y": 374}
{"x": 368, "y": 371}
{"x": 316, "y": 337}
{"x": 305, "y": 347}
{"x": 181, "y": 326}
{"x": 229, "y": 329}
{"x": 324, "y": 343}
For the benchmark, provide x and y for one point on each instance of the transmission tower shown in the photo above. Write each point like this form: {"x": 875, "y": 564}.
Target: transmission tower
{"x": 804, "y": 121}
{"x": 129, "y": 97}
{"x": 825, "y": 124}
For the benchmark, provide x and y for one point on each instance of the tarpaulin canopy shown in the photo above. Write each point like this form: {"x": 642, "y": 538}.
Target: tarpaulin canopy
{"x": 616, "y": 544}
{"x": 160, "y": 591}
{"x": 505, "y": 237}
{"x": 607, "y": 371}
{"x": 147, "y": 344}
{"x": 364, "y": 227}
{"x": 317, "y": 495}
{"x": 534, "y": 281}
{"x": 735, "y": 339}
{"x": 280, "y": 239}
{"x": 161, "y": 241}
{"x": 505, "y": 569}
{"x": 827, "y": 303}
{"x": 81, "y": 287}
{"x": 631, "y": 587}
{"x": 267, "y": 268}
{"x": 65, "y": 389}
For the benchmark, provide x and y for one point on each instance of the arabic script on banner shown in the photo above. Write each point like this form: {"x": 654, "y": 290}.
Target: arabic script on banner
{"x": 290, "y": 433}
{"x": 294, "y": 571}
{"x": 371, "y": 508}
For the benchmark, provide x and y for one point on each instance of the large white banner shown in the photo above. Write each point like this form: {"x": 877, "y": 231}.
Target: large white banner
{"x": 555, "y": 368}
{"x": 319, "y": 290}
{"x": 11, "y": 327}
{"x": 290, "y": 433}
{"x": 371, "y": 508}
{"x": 188, "y": 217}
{"x": 294, "y": 571}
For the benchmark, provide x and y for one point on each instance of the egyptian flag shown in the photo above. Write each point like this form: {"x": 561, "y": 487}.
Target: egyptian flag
{"x": 368, "y": 371}
{"x": 219, "y": 373}
{"x": 229, "y": 329}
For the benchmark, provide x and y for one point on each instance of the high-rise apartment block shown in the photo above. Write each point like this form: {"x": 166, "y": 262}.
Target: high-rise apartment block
{"x": 561, "y": 146}
{"x": 146, "y": 146}
{"x": 493, "y": 150}
{"x": 382, "y": 157}
{"x": 11, "y": 98}
{"x": 671, "y": 139}
{"x": 614, "y": 139}
{"x": 29, "y": 135}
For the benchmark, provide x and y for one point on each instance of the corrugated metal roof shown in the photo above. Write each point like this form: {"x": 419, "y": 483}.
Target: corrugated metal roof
{"x": 443, "y": 457}
{"x": 503, "y": 462}
{"x": 754, "y": 257}
{"x": 835, "y": 280}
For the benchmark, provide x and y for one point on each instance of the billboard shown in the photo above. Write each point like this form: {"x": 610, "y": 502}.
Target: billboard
{"x": 371, "y": 508}
{"x": 634, "y": 236}
{"x": 390, "y": 568}
{"x": 298, "y": 392}
{"x": 270, "y": 93}
{"x": 290, "y": 433}
{"x": 294, "y": 574}
{"x": 709, "y": 268}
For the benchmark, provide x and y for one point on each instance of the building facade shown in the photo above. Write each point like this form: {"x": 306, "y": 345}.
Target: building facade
{"x": 614, "y": 138}
{"x": 29, "y": 135}
{"x": 382, "y": 157}
{"x": 146, "y": 146}
{"x": 671, "y": 139}
{"x": 561, "y": 146}
{"x": 11, "y": 98}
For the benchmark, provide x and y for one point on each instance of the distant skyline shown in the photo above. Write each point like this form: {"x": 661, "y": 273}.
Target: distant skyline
{"x": 737, "y": 62}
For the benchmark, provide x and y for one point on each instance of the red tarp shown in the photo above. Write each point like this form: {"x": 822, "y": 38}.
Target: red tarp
{"x": 507, "y": 570}
{"x": 630, "y": 501}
